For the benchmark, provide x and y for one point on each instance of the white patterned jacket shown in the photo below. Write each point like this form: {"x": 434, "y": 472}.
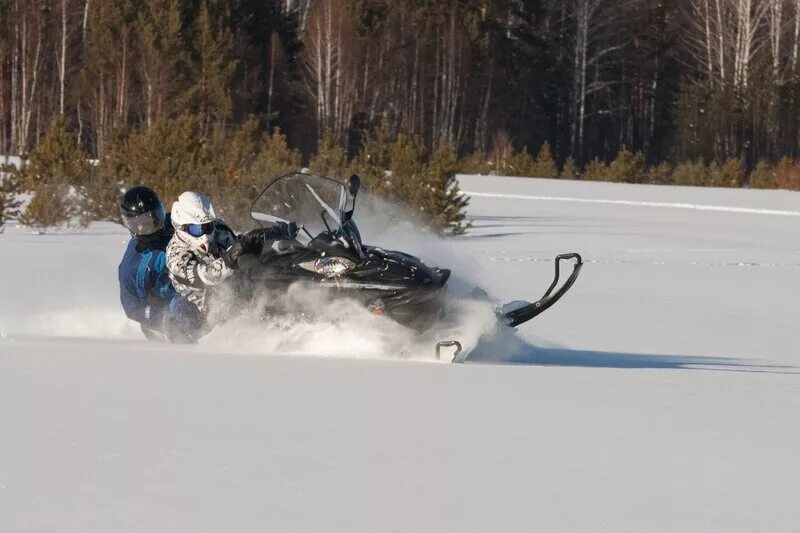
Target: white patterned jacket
{"x": 193, "y": 272}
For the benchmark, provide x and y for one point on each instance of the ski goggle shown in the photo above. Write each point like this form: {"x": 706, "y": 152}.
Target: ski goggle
{"x": 145, "y": 223}
{"x": 198, "y": 230}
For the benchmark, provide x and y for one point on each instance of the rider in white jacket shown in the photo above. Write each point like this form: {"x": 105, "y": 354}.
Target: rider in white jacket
{"x": 205, "y": 252}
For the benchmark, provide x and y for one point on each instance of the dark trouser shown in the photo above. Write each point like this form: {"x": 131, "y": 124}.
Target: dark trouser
{"x": 186, "y": 323}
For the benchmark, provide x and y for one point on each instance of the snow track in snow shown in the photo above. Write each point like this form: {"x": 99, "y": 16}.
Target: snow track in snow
{"x": 732, "y": 264}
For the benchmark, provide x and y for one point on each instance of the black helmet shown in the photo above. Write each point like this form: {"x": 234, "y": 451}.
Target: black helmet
{"x": 142, "y": 211}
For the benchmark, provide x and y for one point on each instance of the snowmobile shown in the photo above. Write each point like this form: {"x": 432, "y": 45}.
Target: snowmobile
{"x": 328, "y": 252}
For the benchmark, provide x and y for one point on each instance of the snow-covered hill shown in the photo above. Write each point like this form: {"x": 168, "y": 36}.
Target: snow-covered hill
{"x": 661, "y": 394}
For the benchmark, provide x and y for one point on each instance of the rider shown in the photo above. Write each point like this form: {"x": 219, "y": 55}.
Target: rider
{"x": 205, "y": 252}
{"x": 145, "y": 290}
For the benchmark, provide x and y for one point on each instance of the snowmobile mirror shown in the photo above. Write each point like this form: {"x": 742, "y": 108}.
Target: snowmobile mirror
{"x": 354, "y": 185}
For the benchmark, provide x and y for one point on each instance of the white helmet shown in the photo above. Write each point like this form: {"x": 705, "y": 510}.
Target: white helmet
{"x": 193, "y": 216}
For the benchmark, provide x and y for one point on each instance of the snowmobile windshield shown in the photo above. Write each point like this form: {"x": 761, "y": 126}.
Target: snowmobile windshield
{"x": 316, "y": 204}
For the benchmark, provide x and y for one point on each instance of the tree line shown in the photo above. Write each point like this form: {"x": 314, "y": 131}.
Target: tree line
{"x": 707, "y": 83}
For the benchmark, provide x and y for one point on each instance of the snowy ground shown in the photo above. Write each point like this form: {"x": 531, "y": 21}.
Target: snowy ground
{"x": 661, "y": 394}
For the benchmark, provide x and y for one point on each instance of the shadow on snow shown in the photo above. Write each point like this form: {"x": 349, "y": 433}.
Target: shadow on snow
{"x": 518, "y": 352}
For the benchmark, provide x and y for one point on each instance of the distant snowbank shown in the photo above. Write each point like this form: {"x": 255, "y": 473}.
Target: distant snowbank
{"x": 10, "y": 160}
{"x": 17, "y": 160}
{"x": 756, "y": 201}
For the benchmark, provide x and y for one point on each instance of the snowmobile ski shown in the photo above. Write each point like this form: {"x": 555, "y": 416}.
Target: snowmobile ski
{"x": 448, "y": 344}
{"x": 516, "y": 313}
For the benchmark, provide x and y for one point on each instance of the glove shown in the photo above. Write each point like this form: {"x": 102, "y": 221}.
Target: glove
{"x": 282, "y": 247}
{"x": 282, "y": 230}
{"x": 251, "y": 243}
{"x": 292, "y": 229}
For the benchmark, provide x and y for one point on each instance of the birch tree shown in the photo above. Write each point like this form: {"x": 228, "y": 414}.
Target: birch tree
{"x": 725, "y": 36}
{"x": 65, "y": 12}
{"x": 594, "y": 39}
{"x": 299, "y": 8}
{"x": 775, "y": 25}
{"x": 107, "y": 73}
{"x": 795, "y": 36}
{"x": 705, "y": 38}
{"x": 448, "y": 87}
{"x": 329, "y": 74}
{"x": 747, "y": 17}
{"x": 27, "y": 50}
{"x": 4, "y": 48}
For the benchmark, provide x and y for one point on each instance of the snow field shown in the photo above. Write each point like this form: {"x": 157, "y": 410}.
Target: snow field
{"x": 661, "y": 394}
{"x": 658, "y": 281}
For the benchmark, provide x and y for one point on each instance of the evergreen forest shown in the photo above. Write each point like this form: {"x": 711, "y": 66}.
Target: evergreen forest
{"x": 220, "y": 95}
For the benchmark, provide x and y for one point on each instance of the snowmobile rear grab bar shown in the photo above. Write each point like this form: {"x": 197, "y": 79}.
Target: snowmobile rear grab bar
{"x": 523, "y": 314}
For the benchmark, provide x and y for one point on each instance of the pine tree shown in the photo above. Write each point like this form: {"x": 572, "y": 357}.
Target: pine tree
{"x": 102, "y": 197}
{"x": 170, "y": 157}
{"x": 595, "y": 170}
{"x": 660, "y": 174}
{"x": 475, "y": 163}
{"x": 690, "y": 173}
{"x": 237, "y": 155}
{"x": 275, "y": 157}
{"x": 521, "y": 164}
{"x": 50, "y": 206}
{"x": 569, "y": 171}
{"x": 787, "y": 174}
{"x": 763, "y": 176}
{"x": 56, "y": 174}
{"x": 329, "y": 160}
{"x": 9, "y": 195}
{"x": 545, "y": 165}
{"x": 406, "y": 178}
{"x": 446, "y": 203}
{"x": 162, "y": 52}
{"x": 258, "y": 162}
{"x": 374, "y": 160}
{"x": 626, "y": 167}
{"x": 213, "y": 67}
{"x": 730, "y": 174}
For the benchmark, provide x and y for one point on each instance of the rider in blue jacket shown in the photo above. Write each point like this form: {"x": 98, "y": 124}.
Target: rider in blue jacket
{"x": 145, "y": 289}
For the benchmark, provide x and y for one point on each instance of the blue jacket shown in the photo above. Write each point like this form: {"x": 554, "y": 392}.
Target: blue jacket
{"x": 145, "y": 290}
